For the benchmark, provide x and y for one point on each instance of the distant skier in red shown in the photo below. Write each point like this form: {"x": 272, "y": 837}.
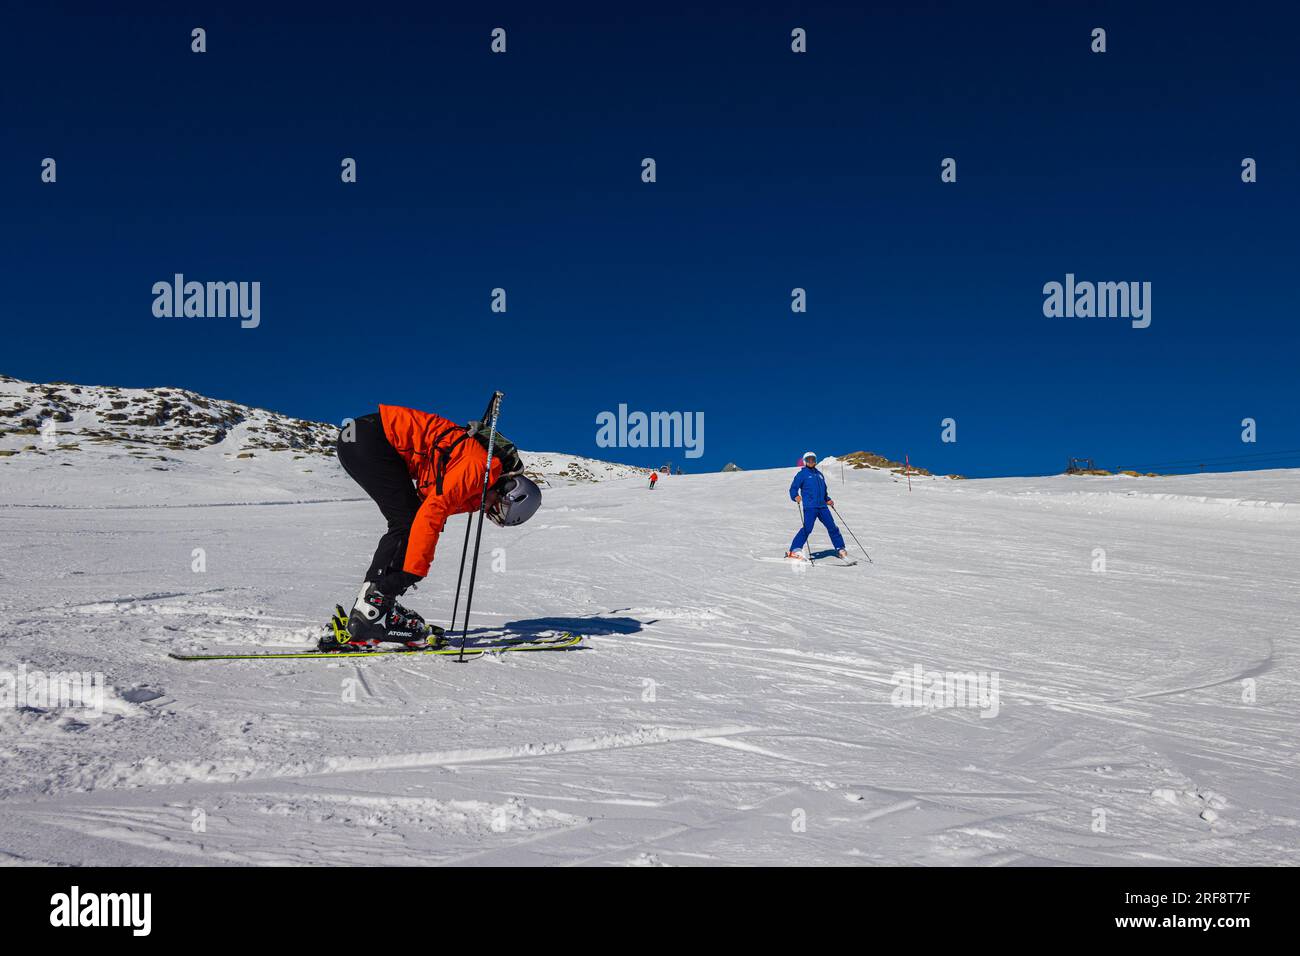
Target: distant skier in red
{"x": 654, "y": 479}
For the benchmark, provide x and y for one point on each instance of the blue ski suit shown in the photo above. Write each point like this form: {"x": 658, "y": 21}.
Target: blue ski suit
{"x": 810, "y": 485}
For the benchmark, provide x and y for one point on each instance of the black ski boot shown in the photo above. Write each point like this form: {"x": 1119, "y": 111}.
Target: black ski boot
{"x": 414, "y": 623}
{"x": 375, "y": 618}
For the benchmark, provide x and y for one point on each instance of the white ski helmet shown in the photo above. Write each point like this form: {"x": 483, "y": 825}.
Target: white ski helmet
{"x": 810, "y": 454}
{"x": 513, "y": 500}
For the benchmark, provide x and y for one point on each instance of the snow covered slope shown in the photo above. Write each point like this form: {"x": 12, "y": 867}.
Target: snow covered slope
{"x": 1142, "y": 634}
{"x": 143, "y": 447}
{"x": 551, "y": 469}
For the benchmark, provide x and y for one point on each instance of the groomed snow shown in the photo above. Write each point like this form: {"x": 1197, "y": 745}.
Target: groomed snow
{"x": 727, "y": 709}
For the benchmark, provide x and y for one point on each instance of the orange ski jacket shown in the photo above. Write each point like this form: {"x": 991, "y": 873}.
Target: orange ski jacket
{"x": 446, "y": 465}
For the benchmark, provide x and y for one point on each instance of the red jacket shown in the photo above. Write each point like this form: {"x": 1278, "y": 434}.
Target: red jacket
{"x": 422, "y": 439}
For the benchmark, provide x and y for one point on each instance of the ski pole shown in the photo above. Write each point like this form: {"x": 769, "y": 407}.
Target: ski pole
{"x": 495, "y": 405}
{"x": 798, "y": 507}
{"x": 851, "y": 534}
{"x": 469, "y": 526}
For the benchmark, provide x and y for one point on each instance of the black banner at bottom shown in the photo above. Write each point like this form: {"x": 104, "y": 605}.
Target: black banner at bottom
{"x": 910, "y": 906}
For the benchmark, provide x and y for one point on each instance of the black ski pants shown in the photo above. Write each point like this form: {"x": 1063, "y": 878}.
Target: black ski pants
{"x": 376, "y": 466}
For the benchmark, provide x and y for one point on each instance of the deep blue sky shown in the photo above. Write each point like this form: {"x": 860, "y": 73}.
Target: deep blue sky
{"x": 775, "y": 171}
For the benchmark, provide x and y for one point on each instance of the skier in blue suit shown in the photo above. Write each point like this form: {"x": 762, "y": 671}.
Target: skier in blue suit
{"x": 809, "y": 489}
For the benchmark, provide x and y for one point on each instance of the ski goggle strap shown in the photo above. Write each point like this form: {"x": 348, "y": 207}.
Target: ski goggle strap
{"x": 496, "y": 506}
{"x": 499, "y": 500}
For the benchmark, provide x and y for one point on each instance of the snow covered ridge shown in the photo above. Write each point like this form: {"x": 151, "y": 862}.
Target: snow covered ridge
{"x": 869, "y": 459}
{"x": 551, "y": 468}
{"x": 172, "y": 418}
{"x": 1262, "y": 495}
{"x": 96, "y": 445}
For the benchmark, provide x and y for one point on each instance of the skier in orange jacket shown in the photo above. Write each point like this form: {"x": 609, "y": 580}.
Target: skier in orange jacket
{"x": 420, "y": 469}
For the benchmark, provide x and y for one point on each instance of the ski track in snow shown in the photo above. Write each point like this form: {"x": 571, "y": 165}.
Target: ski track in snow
{"x": 725, "y": 710}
